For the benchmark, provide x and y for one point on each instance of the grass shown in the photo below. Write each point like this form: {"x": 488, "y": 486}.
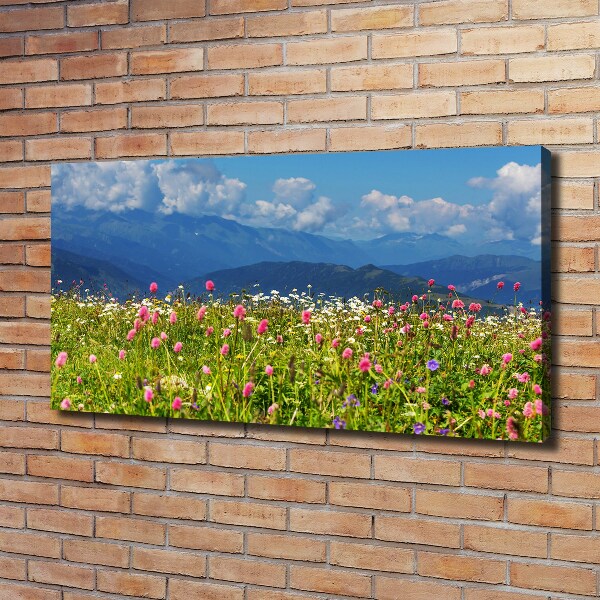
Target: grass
{"x": 421, "y": 367}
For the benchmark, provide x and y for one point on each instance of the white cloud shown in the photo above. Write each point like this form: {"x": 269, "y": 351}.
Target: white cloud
{"x": 112, "y": 186}
{"x": 198, "y": 188}
{"x": 191, "y": 187}
{"x": 295, "y": 191}
{"x": 512, "y": 213}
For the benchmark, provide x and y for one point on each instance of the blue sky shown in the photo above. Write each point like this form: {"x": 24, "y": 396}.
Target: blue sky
{"x": 467, "y": 194}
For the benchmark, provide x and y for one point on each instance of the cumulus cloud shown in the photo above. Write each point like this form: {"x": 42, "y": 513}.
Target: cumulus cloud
{"x": 295, "y": 206}
{"x": 190, "y": 187}
{"x": 112, "y": 186}
{"x": 512, "y": 213}
{"x": 198, "y": 188}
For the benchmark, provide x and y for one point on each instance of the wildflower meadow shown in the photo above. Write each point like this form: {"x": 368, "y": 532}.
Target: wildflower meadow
{"x": 428, "y": 366}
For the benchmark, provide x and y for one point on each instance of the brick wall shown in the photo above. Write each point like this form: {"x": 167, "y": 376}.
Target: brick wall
{"x": 99, "y": 507}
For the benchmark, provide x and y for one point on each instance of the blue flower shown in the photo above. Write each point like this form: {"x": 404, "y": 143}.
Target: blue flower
{"x": 433, "y": 365}
{"x": 418, "y": 428}
{"x": 351, "y": 400}
{"x": 339, "y": 423}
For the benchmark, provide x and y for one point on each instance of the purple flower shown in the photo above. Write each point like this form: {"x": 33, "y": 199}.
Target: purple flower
{"x": 339, "y": 423}
{"x": 443, "y": 431}
{"x": 433, "y": 365}
{"x": 374, "y": 389}
{"x": 418, "y": 428}
{"x": 445, "y": 401}
{"x": 351, "y": 400}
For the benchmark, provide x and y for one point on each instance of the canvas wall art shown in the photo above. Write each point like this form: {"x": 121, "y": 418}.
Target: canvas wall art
{"x": 396, "y": 291}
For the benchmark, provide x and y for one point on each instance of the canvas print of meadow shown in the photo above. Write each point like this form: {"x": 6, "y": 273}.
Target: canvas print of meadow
{"x": 398, "y": 291}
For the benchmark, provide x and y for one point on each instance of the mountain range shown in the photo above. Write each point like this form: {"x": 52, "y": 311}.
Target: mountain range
{"x": 128, "y": 250}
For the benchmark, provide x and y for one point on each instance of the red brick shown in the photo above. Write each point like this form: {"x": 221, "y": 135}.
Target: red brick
{"x": 134, "y": 37}
{"x": 105, "y": 444}
{"x": 330, "y": 522}
{"x": 94, "y": 66}
{"x": 11, "y": 410}
{"x": 12, "y": 516}
{"x": 130, "y": 529}
{"x": 244, "y": 56}
{"x": 27, "y": 592}
{"x": 546, "y": 513}
{"x": 25, "y": 177}
{"x": 330, "y": 581}
{"x": 417, "y": 531}
{"x": 141, "y": 90}
{"x": 337, "y": 464}
{"x": 25, "y": 385}
{"x": 393, "y": 468}
{"x": 11, "y": 98}
{"x": 387, "y": 588}
{"x": 459, "y": 506}
{"x": 286, "y": 547}
{"x": 247, "y": 457}
{"x": 60, "y": 521}
{"x": 125, "y": 474}
{"x": 107, "y": 13}
{"x": 58, "y": 149}
{"x": 171, "y": 507}
{"x": 94, "y": 498}
{"x": 12, "y": 46}
{"x": 207, "y": 482}
{"x": 553, "y": 578}
{"x": 167, "y": 61}
{"x": 372, "y": 557}
{"x": 132, "y": 584}
{"x": 11, "y": 151}
{"x": 78, "y": 94}
{"x": 12, "y": 306}
{"x": 157, "y": 10}
{"x": 12, "y": 124}
{"x": 165, "y": 561}
{"x": 461, "y": 568}
{"x": 169, "y": 451}
{"x": 286, "y": 489}
{"x": 141, "y": 144}
{"x": 223, "y": 7}
{"x": 96, "y": 553}
{"x": 24, "y": 281}
{"x": 504, "y": 540}
{"x": 252, "y": 514}
{"x": 11, "y": 254}
{"x": 287, "y": 24}
{"x": 29, "y": 71}
{"x": 207, "y": 86}
{"x": 29, "y": 437}
{"x": 39, "y": 201}
{"x": 12, "y": 202}
{"x": 12, "y": 463}
{"x": 63, "y": 43}
{"x": 38, "y": 360}
{"x": 206, "y": 538}
{"x": 13, "y": 568}
{"x": 155, "y": 117}
{"x": 180, "y": 589}
{"x": 60, "y": 467}
{"x": 203, "y": 30}
{"x": 207, "y": 142}
{"x": 246, "y": 570}
{"x": 32, "y": 544}
{"x": 31, "y": 19}
{"x": 78, "y": 121}
{"x": 32, "y": 492}
{"x": 506, "y": 477}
